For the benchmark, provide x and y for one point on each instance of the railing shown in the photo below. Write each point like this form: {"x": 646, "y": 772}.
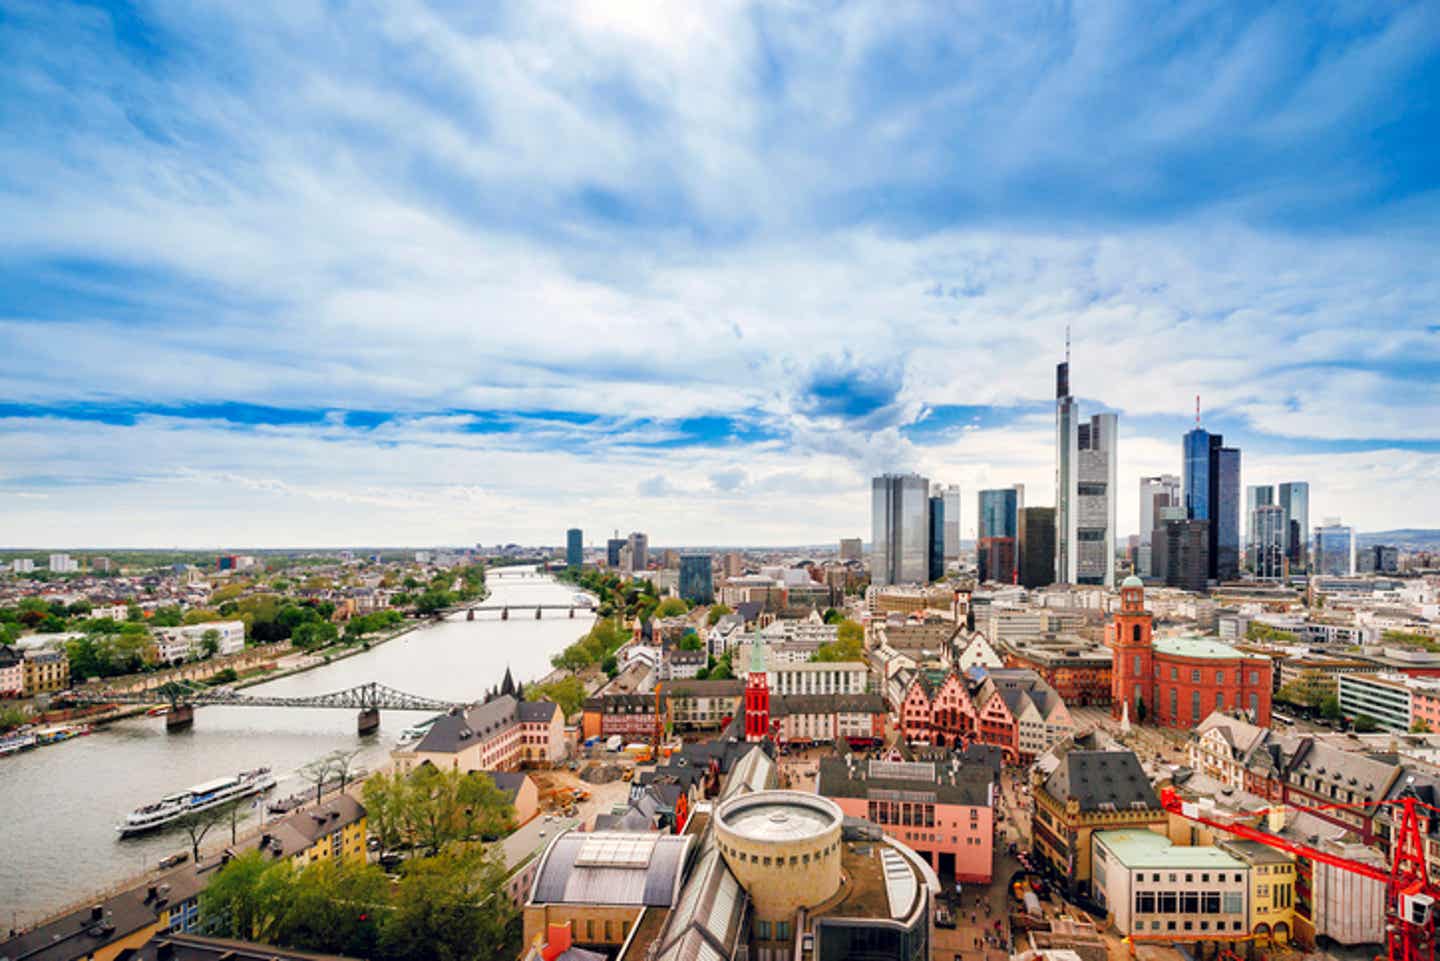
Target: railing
{"x": 371, "y": 696}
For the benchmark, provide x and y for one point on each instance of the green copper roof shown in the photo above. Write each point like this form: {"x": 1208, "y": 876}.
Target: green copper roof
{"x": 757, "y": 657}
{"x": 1132, "y": 581}
{"x": 1196, "y": 647}
{"x": 1147, "y": 849}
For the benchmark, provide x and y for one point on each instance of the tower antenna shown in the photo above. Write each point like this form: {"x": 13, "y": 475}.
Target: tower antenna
{"x": 1197, "y": 410}
{"x": 1067, "y": 343}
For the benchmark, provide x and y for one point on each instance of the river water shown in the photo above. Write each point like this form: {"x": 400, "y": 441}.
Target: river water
{"x": 59, "y": 805}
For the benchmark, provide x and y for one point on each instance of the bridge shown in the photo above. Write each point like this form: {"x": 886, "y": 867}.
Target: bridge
{"x": 183, "y": 697}
{"x": 515, "y": 574}
{"x": 539, "y": 609}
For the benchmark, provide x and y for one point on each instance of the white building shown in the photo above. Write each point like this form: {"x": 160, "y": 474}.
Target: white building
{"x": 63, "y": 564}
{"x": 115, "y": 612}
{"x": 977, "y": 652}
{"x": 187, "y": 642}
{"x": 22, "y": 565}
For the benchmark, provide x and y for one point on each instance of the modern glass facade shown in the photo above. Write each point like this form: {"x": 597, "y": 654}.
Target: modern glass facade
{"x": 1155, "y": 493}
{"x": 1196, "y": 444}
{"x": 999, "y": 513}
{"x": 937, "y": 538}
{"x": 1267, "y": 542}
{"x": 1036, "y": 546}
{"x": 613, "y": 546}
{"x": 899, "y": 529}
{"x": 695, "y": 580}
{"x": 1225, "y": 508}
{"x": 1295, "y": 502}
{"x": 574, "y": 550}
{"x": 998, "y": 532}
{"x": 1334, "y": 550}
{"x": 951, "y": 493}
{"x": 1066, "y": 454}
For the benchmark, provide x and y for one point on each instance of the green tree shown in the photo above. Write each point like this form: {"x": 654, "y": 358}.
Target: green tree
{"x": 210, "y": 642}
{"x": 671, "y": 607}
{"x": 334, "y": 907}
{"x": 717, "y": 611}
{"x": 167, "y": 617}
{"x": 434, "y": 601}
{"x": 200, "y": 616}
{"x": 849, "y": 644}
{"x": 568, "y": 693}
{"x": 235, "y": 903}
{"x": 1365, "y": 724}
{"x": 832, "y": 616}
{"x": 1421, "y": 726}
{"x": 452, "y": 907}
{"x": 722, "y": 670}
{"x": 690, "y": 641}
{"x": 1330, "y": 708}
{"x": 313, "y": 635}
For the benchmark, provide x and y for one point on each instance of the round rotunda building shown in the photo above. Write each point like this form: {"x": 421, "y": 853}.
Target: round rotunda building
{"x": 784, "y": 848}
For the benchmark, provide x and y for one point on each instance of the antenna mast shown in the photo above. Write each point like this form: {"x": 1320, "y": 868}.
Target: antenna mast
{"x": 1197, "y": 410}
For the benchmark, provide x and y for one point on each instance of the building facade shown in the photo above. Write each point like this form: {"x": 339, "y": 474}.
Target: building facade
{"x": 1150, "y": 886}
{"x": 1294, "y": 500}
{"x": 935, "y": 554}
{"x": 1155, "y": 493}
{"x": 1036, "y": 546}
{"x": 696, "y": 583}
{"x": 574, "y": 547}
{"x": 1266, "y": 550}
{"x": 46, "y": 671}
{"x": 1334, "y": 549}
{"x": 899, "y": 529}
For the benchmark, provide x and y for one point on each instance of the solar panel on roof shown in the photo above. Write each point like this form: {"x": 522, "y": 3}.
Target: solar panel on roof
{"x": 903, "y": 770}
{"x": 609, "y": 850}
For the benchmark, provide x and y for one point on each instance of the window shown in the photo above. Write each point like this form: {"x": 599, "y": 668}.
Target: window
{"x": 1194, "y": 677}
{"x": 1234, "y": 902}
{"x": 1220, "y": 678}
{"x": 1254, "y": 677}
{"x": 1210, "y": 903}
{"x": 763, "y": 930}
{"x": 1145, "y": 902}
{"x": 1255, "y": 704}
{"x": 1195, "y": 707}
{"x": 1189, "y": 902}
{"x": 1168, "y": 902}
{"x": 1174, "y": 674}
{"x": 782, "y": 930}
{"x": 1135, "y": 633}
{"x": 1137, "y": 656}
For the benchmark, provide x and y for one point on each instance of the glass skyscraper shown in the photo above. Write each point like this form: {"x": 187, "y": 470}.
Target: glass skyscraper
{"x": 998, "y": 535}
{"x": 951, "y": 493}
{"x": 574, "y": 550}
{"x": 1267, "y": 542}
{"x": 1334, "y": 549}
{"x": 695, "y": 581}
{"x": 1295, "y": 502}
{"x": 1085, "y": 462}
{"x": 899, "y": 529}
{"x": 936, "y": 563}
{"x": 1155, "y": 493}
{"x": 1212, "y": 493}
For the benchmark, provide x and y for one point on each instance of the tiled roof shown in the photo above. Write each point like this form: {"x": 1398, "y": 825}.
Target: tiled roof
{"x": 1102, "y": 780}
{"x": 957, "y": 784}
{"x": 460, "y": 729}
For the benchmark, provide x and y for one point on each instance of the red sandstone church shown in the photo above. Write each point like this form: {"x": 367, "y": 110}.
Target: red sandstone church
{"x": 1179, "y": 681}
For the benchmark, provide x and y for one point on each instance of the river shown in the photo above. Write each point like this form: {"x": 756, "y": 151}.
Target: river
{"x": 59, "y": 805}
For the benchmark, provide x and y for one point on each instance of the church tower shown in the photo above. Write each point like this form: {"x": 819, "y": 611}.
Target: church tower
{"x": 757, "y": 695}
{"x": 1131, "y": 670}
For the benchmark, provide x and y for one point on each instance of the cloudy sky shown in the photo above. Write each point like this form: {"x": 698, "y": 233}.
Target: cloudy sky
{"x": 293, "y": 273}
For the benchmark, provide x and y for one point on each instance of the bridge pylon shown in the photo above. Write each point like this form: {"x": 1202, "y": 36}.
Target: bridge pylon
{"x": 369, "y": 721}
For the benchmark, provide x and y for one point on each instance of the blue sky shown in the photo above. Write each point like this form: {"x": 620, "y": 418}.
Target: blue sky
{"x": 404, "y": 272}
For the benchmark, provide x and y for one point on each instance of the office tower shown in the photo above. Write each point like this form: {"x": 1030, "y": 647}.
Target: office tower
{"x": 1334, "y": 548}
{"x": 613, "y": 547}
{"x": 1085, "y": 460}
{"x": 670, "y": 559}
{"x": 1035, "y": 546}
{"x": 996, "y": 534}
{"x": 1267, "y": 542}
{"x": 951, "y": 493}
{"x": 695, "y": 581}
{"x": 574, "y": 550}
{"x": 1212, "y": 493}
{"x": 639, "y": 546}
{"x": 1155, "y": 493}
{"x": 1295, "y": 502}
{"x": 936, "y": 560}
{"x": 1181, "y": 550}
{"x": 734, "y": 564}
{"x": 1256, "y": 495}
{"x": 851, "y": 549}
{"x": 899, "y": 529}
{"x": 1377, "y": 559}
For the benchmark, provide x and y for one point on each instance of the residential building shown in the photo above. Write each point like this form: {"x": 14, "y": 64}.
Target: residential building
{"x": 1036, "y": 546}
{"x": 1080, "y": 791}
{"x": 46, "y": 670}
{"x": 942, "y": 811}
{"x": 1155, "y": 493}
{"x": 1222, "y": 746}
{"x": 1267, "y": 542}
{"x": 1179, "y": 681}
{"x": 494, "y": 736}
{"x": 935, "y": 562}
{"x": 63, "y": 564}
{"x": 1013, "y": 710}
{"x": 632, "y": 716}
{"x": 613, "y": 547}
{"x": 1151, "y": 886}
{"x": 22, "y": 565}
{"x": 12, "y": 672}
{"x": 333, "y": 831}
{"x": 803, "y": 719}
{"x": 1294, "y": 500}
{"x": 900, "y": 529}
{"x": 574, "y": 547}
{"x": 702, "y": 705}
{"x": 1078, "y": 670}
{"x": 1085, "y": 459}
{"x": 639, "y": 546}
{"x": 851, "y": 549}
{"x": 174, "y": 645}
{"x": 951, "y": 493}
{"x": 167, "y": 946}
{"x": 695, "y": 578}
{"x": 1334, "y": 549}
{"x": 1272, "y": 888}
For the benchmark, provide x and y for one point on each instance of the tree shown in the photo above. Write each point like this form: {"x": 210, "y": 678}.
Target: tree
{"x": 568, "y": 693}
{"x": 849, "y": 644}
{"x": 210, "y": 642}
{"x": 197, "y": 824}
{"x": 690, "y": 641}
{"x": 233, "y": 904}
{"x": 1330, "y": 708}
{"x": 717, "y": 611}
{"x": 1421, "y": 726}
{"x": 1365, "y": 724}
{"x": 434, "y": 601}
{"x": 317, "y": 772}
{"x": 722, "y": 670}
{"x": 450, "y": 908}
{"x": 832, "y": 616}
{"x": 315, "y": 634}
{"x": 671, "y": 607}
{"x": 334, "y": 906}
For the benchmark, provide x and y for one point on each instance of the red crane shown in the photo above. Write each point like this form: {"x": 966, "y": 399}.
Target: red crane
{"x": 1409, "y": 895}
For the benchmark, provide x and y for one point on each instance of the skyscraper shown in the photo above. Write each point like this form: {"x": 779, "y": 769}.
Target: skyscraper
{"x": 1085, "y": 461}
{"x": 936, "y": 559}
{"x": 1036, "y": 546}
{"x": 695, "y": 581}
{"x": 997, "y": 533}
{"x": 851, "y": 549}
{"x": 574, "y": 549}
{"x": 899, "y": 529}
{"x": 1212, "y": 493}
{"x": 1181, "y": 551}
{"x": 1267, "y": 542}
{"x": 612, "y": 552}
{"x": 1256, "y": 495}
{"x": 951, "y": 493}
{"x": 639, "y": 546}
{"x": 1155, "y": 493}
{"x": 1295, "y": 502}
{"x": 1334, "y": 548}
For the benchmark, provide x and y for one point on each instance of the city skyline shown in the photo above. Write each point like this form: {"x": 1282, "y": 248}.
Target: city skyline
{"x": 617, "y": 290}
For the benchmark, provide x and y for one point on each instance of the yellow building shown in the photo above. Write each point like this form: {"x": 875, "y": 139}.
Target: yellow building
{"x": 1272, "y": 888}
{"x": 46, "y": 671}
{"x": 335, "y": 830}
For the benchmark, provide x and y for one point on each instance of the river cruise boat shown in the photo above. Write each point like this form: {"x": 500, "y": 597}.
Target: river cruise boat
{"x": 201, "y": 797}
{"x": 16, "y": 743}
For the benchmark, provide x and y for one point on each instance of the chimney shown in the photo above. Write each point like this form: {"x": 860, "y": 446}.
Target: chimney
{"x": 97, "y": 912}
{"x": 557, "y": 941}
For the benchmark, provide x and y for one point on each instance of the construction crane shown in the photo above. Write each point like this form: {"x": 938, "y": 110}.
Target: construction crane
{"x": 1409, "y": 894}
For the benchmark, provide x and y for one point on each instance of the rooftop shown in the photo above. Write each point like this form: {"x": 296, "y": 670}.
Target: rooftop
{"x": 1138, "y": 848}
{"x": 611, "y": 868}
{"x": 779, "y": 815}
{"x": 1201, "y": 647}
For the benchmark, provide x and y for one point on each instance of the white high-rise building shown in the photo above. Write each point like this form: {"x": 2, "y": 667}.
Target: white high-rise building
{"x": 639, "y": 546}
{"x": 899, "y": 529}
{"x": 1085, "y": 461}
{"x": 1161, "y": 491}
{"x": 63, "y": 564}
{"x": 951, "y": 496}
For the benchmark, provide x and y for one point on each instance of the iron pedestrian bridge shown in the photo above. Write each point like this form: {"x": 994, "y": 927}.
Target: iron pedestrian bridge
{"x": 182, "y": 697}
{"x": 539, "y": 609}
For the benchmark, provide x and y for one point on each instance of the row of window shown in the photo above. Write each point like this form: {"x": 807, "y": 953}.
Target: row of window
{"x": 1174, "y": 876}
{"x": 1195, "y": 673}
{"x": 779, "y": 862}
{"x": 1190, "y": 926}
{"x": 781, "y": 928}
{"x": 1189, "y": 902}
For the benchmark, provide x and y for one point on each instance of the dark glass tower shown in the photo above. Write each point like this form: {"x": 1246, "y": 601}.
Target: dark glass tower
{"x": 1212, "y": 493}
{"x": 937, "y": 538}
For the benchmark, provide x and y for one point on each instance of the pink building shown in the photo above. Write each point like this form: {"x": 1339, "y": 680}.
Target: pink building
{"x": 1425, "y": 705}
{"x": 942, "y": 810}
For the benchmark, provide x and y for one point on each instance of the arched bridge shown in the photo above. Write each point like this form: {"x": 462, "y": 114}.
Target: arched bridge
{"x": 505, "y": 609}
{"x": 183, "y": 697}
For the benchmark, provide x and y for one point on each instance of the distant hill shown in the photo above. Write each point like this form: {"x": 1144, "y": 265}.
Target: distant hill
{"x": 1411, "y": 538}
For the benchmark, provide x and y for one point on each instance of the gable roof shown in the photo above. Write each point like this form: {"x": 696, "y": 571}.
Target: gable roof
{"x": 537, "y": 712}
{"x": 1101, "y": 781}
{"x": 459, "y": 729}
